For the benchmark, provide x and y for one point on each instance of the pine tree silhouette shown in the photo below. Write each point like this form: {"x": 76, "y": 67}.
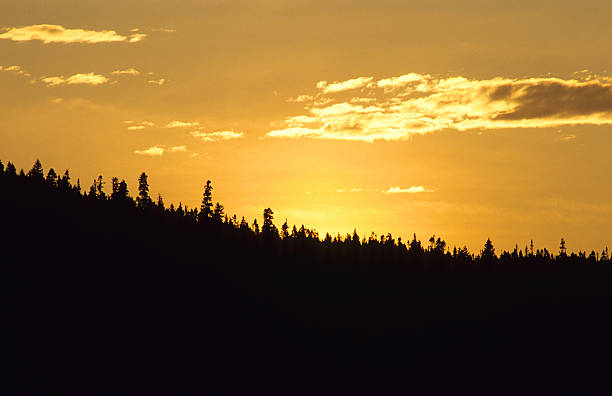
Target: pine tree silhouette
{"x": 488, "y": 254}
{"x": 218, "y": 213}
{"x": 143, "y": 200}
{"x": 206, "y": 209}
{"x": 36, "y": 172}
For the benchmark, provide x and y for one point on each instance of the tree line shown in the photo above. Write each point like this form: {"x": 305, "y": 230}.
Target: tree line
{"x": 292, "y": 239}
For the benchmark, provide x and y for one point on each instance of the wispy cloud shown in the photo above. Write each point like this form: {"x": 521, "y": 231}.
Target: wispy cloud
{"x": 396, "y": 82}
{"x": 164, "y": 30}
{"x": 130, "y": 71}
{"x": 217, "y": 136}
{"x": 409, "y": 190}
{"x": 81, "y": 78}
{"x": 340, "y": 86}
{"x": 397, "y": 108}
{"x": 177, "y": 149}
{"x": 159, "y": 82}
{"x": 15, "y": 69}
{"x": 300, "y": 99}
{"x": 567, "y": 138}
{"x": 59, "y": 34}
{"x": 182, "y": 124}
{"x": 151, "y": 151}
{"x": 135, "y": 126}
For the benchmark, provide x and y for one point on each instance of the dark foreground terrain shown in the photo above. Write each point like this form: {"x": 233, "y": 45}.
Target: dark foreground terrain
{"x": 104, "y": 296}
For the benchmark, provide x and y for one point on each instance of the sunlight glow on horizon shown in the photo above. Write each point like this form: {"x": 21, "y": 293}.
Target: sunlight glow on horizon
{"x": 447, "y": 119}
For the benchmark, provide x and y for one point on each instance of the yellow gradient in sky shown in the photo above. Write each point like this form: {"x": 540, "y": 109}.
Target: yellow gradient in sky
{"x": 467, "y": 120}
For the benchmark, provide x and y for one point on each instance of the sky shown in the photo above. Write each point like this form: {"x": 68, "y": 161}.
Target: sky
{"x": 468, "y": 120}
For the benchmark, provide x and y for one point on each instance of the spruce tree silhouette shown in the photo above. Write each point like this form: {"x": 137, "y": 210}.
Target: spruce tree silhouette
{"x": 268, "y": 229}
{"x": 100, "y": 188}
{"x": 218, "y": 213}
{"x": 206, "y": 209}
{"x": 562, "y": 248}
{"x": 51, "y": 178}
{"x": 123, "y": 193}
{"x": 64, "y": 182}
{"x": 488, "y": 253}
{"x": 93, "y": 189}
{"x": 143, "y": 200}
{"x": 285, "y": 230}
{"x": 244, "y": 225}
{"x": 255, "y": 227}
{"x": 114, "y": 188}
{"x": 36, "y": 173}
{"x": 10, "y": 169}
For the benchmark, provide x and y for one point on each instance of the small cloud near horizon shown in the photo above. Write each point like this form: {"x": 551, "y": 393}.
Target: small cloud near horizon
{"x": 182, "y": 124}
{"x": 567, "y": 138}
{"x": 409, "y": 190}
{"x": 151, "y": 151}
{"x": 135, "y": 126}
{"x": 131, "y": 71}
{"x": 217, "y": 135}
{"x": 81, "y": 78}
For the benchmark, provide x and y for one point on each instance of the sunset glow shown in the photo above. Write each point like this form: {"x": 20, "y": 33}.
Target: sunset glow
{"x": 456, "y": 119}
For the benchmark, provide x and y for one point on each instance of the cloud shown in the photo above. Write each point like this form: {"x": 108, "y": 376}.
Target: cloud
{"x": 81, "y": 78}
{"x": 357, "y": 189}
{"x": 59, "y": 34}
{"x": 135, "y": 38}
{"x": 135, "y": 126}
{"x": 396, "y": 82}
{"x": 53, "y": 81}
{"x": 397, "y": 108}
{"x": 15, "y": 69}
{"x": 159, "y": 82}
{"x": 300, "y": 99}
{"x": 164, "y": 30}
{"x": 181, "y": 124}
{"x": 151, "y": 151}
{"x": 217, "y": 136}
{"x": 177, "y": 149}
{"x": 130, "y": 71}
{"x": 567, "y": 138}
{"x": 339, "y": 86}
{"x": 409, "y": 190}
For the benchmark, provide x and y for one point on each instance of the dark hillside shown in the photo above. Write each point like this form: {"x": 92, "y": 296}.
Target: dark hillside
{"x": 105, "y": 294}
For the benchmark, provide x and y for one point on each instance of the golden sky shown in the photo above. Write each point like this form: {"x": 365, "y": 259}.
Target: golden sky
{"x": 467, "y": 120}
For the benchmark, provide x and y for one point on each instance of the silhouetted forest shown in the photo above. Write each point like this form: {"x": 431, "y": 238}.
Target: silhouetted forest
{"x": 106, "y": 289}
